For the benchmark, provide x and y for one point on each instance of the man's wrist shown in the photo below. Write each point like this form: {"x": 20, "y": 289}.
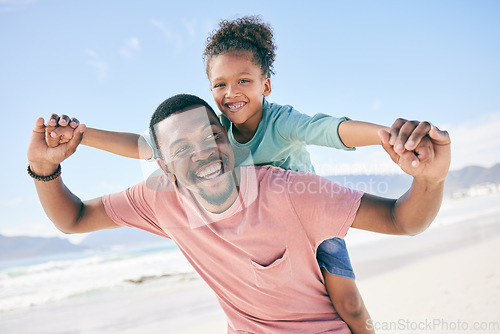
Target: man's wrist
{"x": 43, "y": 169}
{"x": 429, "y": 183}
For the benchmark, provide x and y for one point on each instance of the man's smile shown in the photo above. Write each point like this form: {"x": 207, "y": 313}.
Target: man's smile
{"x": 210, "y": 171}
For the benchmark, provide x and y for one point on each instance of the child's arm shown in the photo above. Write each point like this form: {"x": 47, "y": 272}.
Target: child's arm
{"x": 126, "y": 144}
{"x": 129, "y": 145}
{"x": 403, "y": 132}
{"x": 357, "y": 133}
{"x": 404, "y": 135}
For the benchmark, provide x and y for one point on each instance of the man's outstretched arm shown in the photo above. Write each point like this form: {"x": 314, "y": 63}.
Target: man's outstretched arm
{"x": 68, "y": 213}
{"x": 413, "y": 212}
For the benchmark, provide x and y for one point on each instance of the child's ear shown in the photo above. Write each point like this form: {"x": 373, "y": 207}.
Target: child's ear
{"x": 267, "y": 87}
{"x": 170, "y": 176}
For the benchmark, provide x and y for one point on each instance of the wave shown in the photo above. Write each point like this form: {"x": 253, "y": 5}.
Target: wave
{"x": 54, "y": 280}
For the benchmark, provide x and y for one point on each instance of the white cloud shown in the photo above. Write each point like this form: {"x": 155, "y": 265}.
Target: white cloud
{"x": 17, "y": 2}
{"x": 476, "y": 142}
{"x": 100, "y": 66}
{"x": 14, "y": 5}
{"x": 131, "y": 46}
{"x": 172, "y": 37}
{"x": 376, "y": 105}
{"x": 91, "y": 53}
{"x": 190, "y": 26}
{"x": 11, "y": 202}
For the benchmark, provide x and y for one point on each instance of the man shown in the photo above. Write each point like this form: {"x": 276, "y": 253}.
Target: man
{"x": 250, "y": 232}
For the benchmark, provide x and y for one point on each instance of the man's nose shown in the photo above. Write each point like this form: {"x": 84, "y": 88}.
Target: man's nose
{"x": 203, "y": 152}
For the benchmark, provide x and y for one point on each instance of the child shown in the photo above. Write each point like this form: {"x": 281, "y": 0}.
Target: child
{"x": 239, "y": 62}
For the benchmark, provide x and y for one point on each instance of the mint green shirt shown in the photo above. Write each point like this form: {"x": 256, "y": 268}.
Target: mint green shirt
{"x": 282, "y": 136}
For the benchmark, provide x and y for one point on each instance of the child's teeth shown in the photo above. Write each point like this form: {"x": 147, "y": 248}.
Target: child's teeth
{"x": 234, "y": 106}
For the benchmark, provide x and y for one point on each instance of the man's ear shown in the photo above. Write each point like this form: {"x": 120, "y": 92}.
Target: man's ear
{"x": 170, "y": 176}
{"x": 267, "y": 87}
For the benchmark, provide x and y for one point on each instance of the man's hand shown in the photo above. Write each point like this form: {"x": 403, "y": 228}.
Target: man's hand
{"x": 429, "y": 158}
{"x": 406, "y": 135}
{"x": 46, "y": 151}
{"x": 414, "y": 211}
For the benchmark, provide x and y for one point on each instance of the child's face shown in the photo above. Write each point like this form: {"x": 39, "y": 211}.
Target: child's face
{"x": 238, "y": 87}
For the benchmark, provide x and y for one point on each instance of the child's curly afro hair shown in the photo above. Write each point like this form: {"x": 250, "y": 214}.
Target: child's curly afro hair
{"x": 247, "y": 33}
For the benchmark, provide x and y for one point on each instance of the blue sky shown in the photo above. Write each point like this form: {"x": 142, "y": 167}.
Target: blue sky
{"x": 110, "y": 63}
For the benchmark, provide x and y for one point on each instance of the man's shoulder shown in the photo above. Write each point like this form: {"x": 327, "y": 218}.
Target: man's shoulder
{"x": 157, "y": 183}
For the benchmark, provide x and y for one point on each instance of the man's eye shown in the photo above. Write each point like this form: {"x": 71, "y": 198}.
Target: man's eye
{"x": 181, "y": 150}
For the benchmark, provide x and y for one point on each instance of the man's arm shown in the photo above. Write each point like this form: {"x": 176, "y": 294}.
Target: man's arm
{"x": 68, "y": 213}
{"x": 413, "y": 212}
{"x": 126, "y": 144}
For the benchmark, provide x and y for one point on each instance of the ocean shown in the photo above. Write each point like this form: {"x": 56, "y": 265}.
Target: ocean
{"x": 37, "y": 281}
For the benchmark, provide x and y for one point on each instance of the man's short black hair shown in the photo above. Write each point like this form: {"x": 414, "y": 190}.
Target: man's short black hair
{"x": 174, "y": 105}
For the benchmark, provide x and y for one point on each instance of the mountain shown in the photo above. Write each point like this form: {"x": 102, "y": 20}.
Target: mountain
{"x": 395, "y": 185}
{"x": 470, "y": 176}
{"x": 124, "y": 236}
{"x": 12, "y": 248}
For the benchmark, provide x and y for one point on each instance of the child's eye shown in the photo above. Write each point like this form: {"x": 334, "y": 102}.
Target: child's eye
{"x": 244, "y": 80}
{"x": 219, "y": 85}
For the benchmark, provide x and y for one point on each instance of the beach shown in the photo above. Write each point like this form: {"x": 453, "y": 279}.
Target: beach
{"x": 445, "y": 280}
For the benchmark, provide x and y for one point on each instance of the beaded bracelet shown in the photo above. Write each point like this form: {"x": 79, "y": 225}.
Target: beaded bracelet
{"x": 54, "y": 175}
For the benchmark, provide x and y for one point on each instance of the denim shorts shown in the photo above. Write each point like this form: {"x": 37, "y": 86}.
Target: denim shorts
{"x": 332, "y": 255}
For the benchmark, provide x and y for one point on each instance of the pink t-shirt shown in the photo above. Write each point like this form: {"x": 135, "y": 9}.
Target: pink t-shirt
{"x": 259, "y": 256}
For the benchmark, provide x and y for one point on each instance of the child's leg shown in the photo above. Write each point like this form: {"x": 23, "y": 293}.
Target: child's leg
{"x": 339, "y": 281}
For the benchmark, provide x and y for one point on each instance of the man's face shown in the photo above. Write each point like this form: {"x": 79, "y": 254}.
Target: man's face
{"x": 197, "y": 152}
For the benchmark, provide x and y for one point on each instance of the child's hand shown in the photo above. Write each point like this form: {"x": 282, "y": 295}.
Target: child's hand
{"x": 406, "y": 135}
{"x": 430, "y": 159}
{"x": 60, "y": 129}
{"x": 44, "y": 158}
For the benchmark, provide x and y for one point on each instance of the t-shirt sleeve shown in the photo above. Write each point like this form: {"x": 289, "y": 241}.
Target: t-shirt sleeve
{"x": 147, "y": 139}
{"x": 131, "y": 208}
{"x": 320, "y": 129}
{"x": 325, "y": 208}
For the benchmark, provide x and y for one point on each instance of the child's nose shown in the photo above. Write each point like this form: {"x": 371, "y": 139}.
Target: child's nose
{"x": 231, "y": 91}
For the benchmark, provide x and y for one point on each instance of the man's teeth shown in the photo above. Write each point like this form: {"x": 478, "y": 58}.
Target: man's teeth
{"x": 210, "y": 172}
{"x": 236, "y": 105}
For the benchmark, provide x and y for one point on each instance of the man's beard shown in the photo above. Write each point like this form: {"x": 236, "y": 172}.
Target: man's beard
{"x": 210, "y": 196}
{"x": 221, "y": 197}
